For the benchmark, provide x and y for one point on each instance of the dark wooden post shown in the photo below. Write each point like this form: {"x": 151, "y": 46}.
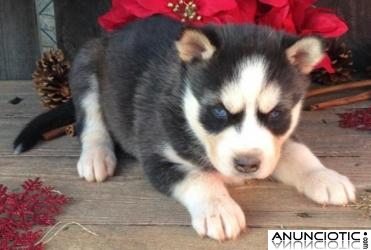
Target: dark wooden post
{"x": 358, "y": 16}
{"x": 76, "y": 22}
{"x": 19, "y": 43}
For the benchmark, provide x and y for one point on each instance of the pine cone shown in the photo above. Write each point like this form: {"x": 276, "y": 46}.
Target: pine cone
{"x": 51, "y": 78}
{"x": 342, "y": 61}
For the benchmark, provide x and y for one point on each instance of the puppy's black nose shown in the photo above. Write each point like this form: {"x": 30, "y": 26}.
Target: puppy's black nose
{"x": 247, "y": 163}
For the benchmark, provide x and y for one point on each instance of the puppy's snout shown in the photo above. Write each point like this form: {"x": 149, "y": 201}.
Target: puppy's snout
{"x": 247, "y": 163}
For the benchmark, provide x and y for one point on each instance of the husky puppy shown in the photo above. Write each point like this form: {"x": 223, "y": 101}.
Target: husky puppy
{"x": 198, "y": 107}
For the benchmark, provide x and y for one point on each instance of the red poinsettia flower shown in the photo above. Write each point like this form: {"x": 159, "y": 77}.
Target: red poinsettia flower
{"x": 219, "y": 12}
{"x": 298, "y": 17}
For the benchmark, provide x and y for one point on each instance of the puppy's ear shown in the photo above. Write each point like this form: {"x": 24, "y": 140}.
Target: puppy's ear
{"x": 305, "y": 53}
{"x": 194, "y": 44}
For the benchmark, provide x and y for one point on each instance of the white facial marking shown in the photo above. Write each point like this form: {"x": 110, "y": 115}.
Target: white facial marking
{"x": 244, "y": 91}
{"x": 295, "y": 116}
{"x": 269, "y": 98}
{"x": 245, "y": 95}
{"x": 214, "y": 213}
{"x": 97, "y": 159}
{"x": 191, "y": 108}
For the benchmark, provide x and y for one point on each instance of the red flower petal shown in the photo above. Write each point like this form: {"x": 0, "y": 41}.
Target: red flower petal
{"x": 156, "y": 6}
{"x": 210, "y": 8}
{"x": 244, "y": 13}
{"x": 322, "y": 22}
{"x": 275, "y": 3}
{"x": 137, "y": 9}
{"x": 326, "y": 64}
{"x": 248, "y": 9}
{"x": 298, "y": 8}
{"x": 279, "y": 18}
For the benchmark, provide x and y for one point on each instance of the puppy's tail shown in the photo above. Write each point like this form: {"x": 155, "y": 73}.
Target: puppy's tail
{"x": 52, "y": 119}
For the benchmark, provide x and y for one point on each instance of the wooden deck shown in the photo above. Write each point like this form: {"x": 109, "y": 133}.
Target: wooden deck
{"x": 127, "y": 213}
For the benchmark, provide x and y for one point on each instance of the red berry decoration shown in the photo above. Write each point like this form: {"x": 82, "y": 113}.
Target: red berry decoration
{"x": 358, "y": 119}
{"x": 20, "y": 212}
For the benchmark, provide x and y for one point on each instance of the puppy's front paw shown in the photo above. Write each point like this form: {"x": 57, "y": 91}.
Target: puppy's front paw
{"x": 96, "y": 163}
{"x": 218, "y": 218}
{"x": 326, "y": 186}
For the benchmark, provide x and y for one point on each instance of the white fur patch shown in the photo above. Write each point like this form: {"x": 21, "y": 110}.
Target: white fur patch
{"x": 173, "y": 156}
{"x": 269, "y": 97}
{"x": 97, "y": 160}
{"x": 243, "y": 93}
{"x": 214, "y": 213}
{"x": 300, "y": 168}
{"x": 295, "y": 117}
{"x": 191, "y": 108}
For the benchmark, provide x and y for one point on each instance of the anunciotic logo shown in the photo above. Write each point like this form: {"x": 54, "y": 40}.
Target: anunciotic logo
{"x": 318, "y": 239}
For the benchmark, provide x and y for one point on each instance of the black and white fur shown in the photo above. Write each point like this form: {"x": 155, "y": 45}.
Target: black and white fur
{"x": 199, "y": 107}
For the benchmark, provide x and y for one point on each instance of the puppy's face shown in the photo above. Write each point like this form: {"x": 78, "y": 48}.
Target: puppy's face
{"x": 243, "y": 97}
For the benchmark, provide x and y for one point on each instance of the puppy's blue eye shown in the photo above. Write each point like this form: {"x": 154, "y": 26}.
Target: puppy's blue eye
{"x": 219, "y": 112}
{"x": 274, "y": 115}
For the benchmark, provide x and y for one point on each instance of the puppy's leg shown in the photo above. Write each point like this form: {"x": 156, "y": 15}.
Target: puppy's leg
{"x": 214, "y": 213}
{"x": 299, "y": 167}
{"x": 97, "y": 160}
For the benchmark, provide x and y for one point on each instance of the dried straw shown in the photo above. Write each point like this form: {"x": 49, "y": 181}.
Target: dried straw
{"x": 363, "y": 204}
{"x": 46, "y": 238}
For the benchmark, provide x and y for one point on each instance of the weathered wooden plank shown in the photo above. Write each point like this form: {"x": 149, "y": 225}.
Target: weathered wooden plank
{"x": 358, "y": 169}
{"x": 15, "y": 87}
{"x": 19, "y": 47}
{"x": 63, "y": 167}
{"x": 132, "y": 201}
{"x": 27, "y": 108}
{"x": 151, "y": 237}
